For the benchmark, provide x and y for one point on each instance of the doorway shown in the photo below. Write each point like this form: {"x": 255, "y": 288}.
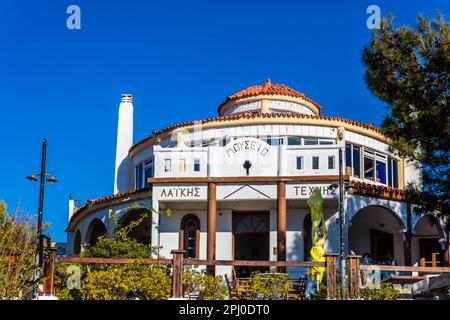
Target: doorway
{"x": 429, "y": 247}
{"x": 382, "y": 245}
{"x": 251, "y": 240}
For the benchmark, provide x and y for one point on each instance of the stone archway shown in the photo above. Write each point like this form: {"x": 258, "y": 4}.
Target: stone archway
{"x": 378, "y": 231}
{"x": 141, "y": 232}
{"x": 96, "y": 229}
{"x": 426, "y": 241}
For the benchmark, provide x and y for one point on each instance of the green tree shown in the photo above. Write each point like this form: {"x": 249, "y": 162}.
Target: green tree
{"x": 138, "y": 280}
{"x": 17, "y": 237}
{"x": 409, "y": 69}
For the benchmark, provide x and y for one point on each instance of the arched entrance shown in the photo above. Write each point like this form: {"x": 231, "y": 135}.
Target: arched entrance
{"x": 77, "y": 243}
{"x": 251, "y": 239}
{"x": 426, "y": 248}
{"x": 95, "y": 230}
{"x": 378, "y": 231}
{"x": 140, "y": 223}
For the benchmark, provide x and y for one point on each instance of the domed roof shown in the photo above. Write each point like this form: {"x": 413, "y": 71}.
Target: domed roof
{"x": 268, "y": 89}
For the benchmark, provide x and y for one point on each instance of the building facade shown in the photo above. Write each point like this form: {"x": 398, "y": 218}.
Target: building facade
{"x": 237, "y": 185}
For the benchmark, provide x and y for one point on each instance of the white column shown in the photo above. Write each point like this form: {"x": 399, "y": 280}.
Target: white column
{"x": 124, "y": 143}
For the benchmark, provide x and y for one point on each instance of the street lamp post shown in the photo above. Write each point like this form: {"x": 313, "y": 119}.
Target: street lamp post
{"x": 342, "y": 226}
{"x": 51, "y": 179}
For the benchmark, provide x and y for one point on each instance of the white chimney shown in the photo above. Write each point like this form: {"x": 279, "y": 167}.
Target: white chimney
{"x": 71, "y": 207}
{"x": 124, "y": 143}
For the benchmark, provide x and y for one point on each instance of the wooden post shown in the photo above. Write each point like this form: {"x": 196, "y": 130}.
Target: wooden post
{"x": 353, "y": 275}
{"x": 211, "y": 227}
{"x": 330, "y": 275}
{"x": 50, "y": 274}
{"x": 177, "y": 277}
{"x": 434, "y": 259}
{"x": 281, "y": 222}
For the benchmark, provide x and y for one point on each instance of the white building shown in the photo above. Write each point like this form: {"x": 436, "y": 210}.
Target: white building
{"x": 237, "y": 185}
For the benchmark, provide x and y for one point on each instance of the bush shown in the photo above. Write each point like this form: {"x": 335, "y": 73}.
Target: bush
{"x": 385, "y": 292}
{"x": 202, "y": 286}
{"x": 109, "y": 247}
{"x": 146, "y": 282}
{"x": 270, "y": 286}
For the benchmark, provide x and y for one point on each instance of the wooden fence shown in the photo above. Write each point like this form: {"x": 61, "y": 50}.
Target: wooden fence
{"x": 178, "y": 262}
{"x": 354, "y": 267}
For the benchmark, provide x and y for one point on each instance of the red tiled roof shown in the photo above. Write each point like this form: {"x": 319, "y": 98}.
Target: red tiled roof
{"x": 379, "y": 190}
{"x": 269, "y": 89}
{"x": 91, "y": 202}
{"x": 253, "y": 115}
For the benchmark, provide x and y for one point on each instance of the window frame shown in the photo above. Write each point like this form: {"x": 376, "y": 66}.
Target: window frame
{"x": 183, "y": 234}
{"x": 318, "y": 162}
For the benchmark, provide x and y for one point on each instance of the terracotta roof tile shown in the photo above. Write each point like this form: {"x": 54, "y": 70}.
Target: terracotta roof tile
{"x": 269, "y": 89}
{"x": 91, "y": 202}
{"x": 380, "y": 190}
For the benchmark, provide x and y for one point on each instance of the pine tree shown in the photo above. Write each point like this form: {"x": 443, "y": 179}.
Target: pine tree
{"x": 409, "y": 70}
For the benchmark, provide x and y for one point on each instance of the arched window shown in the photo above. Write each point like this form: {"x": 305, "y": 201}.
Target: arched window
{"x": 250, "y": 223}
{"x": 307, "y": 237}
{"x": 77, "y": 243}
{"x": 190, "y": 236}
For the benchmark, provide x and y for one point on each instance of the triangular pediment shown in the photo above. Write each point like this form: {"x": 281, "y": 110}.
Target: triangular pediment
{"x": 246, "y": 192}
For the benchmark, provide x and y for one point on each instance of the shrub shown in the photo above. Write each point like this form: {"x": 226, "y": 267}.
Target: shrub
{"x": 385, "y": 292}
{"x": 203, "y": 286}
{"x": 270, "y": 286}
{"x": 109, "y": 247}
{"x": 147, "y": 282}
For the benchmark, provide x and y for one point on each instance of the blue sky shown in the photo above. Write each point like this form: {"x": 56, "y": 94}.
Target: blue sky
{"x": 179, "y": 59}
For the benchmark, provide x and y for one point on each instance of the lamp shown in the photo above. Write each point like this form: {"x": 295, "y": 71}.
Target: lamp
{"x": 32, "y": 178}
{"x": 52, "y": 180}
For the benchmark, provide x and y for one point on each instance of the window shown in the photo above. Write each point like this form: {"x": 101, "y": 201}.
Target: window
{"x": 356, "y": 164}
{"x": 369, "y": 168}
{"x": 149, "y": 172}
{"x": 143, "y": 171}
{"x": 167, "y": 165}
{"x": 196, "y": 165}
{"x": 299, "y": 163}
{"x": 138, "y": 179}
{"x": 394, "y": 173}
{"x": 224, "y": 142}
{"x": 274, "y": 141}
{"x": 310, "y": 142}
{"x": 381, "y": 172}
{"x": 331, "y": 162}
{"x": 294, "y": 141}
{"x": 182, "y": 165}
{"x": 315, "y": 163}
{"x": 326, "y": 142}
{"x": 348, "y": 158}
{"x": 189, "y": 235}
